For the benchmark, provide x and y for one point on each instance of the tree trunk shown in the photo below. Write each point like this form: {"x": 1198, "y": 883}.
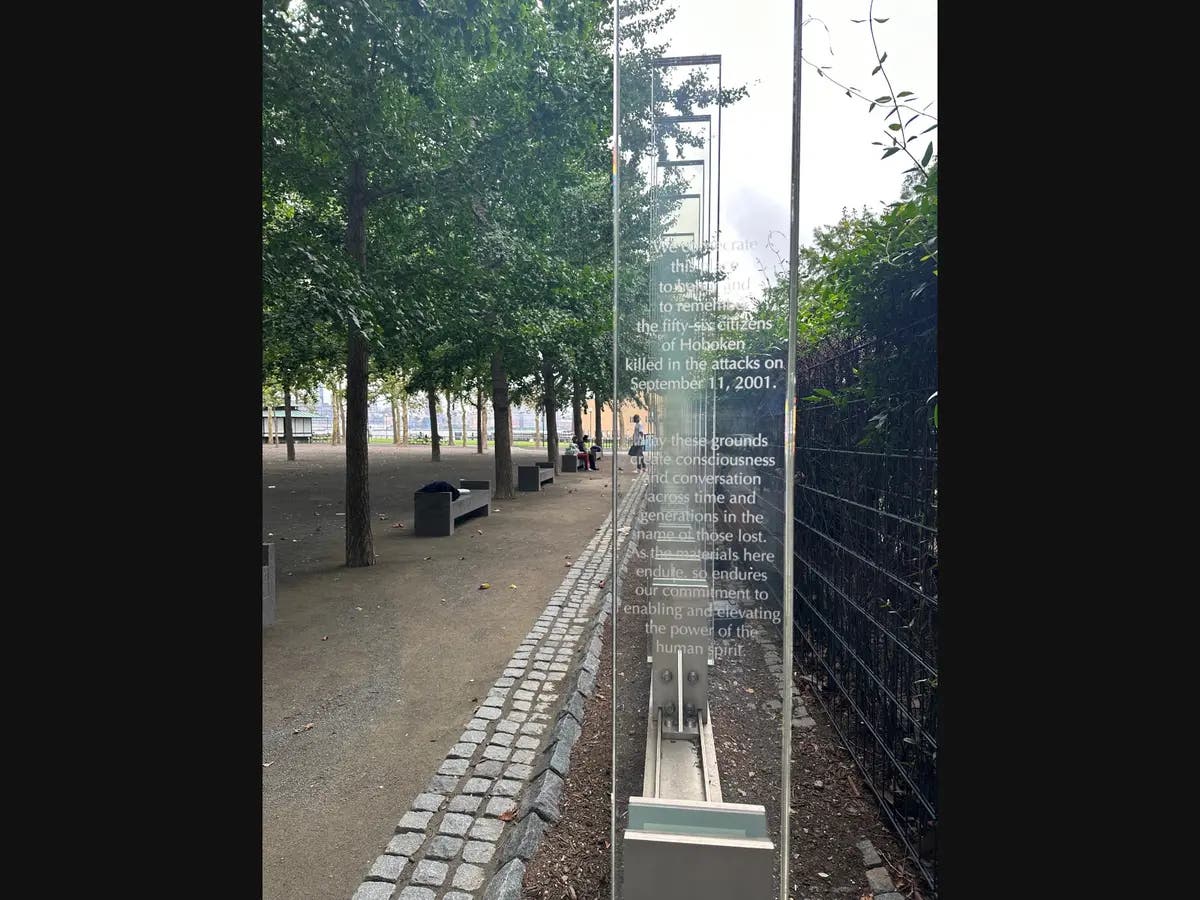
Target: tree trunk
{"x": 435, "y": 446}
{"x": 288, "y": 436}
{"x": 360, "y": 545}
{"x": 577, "y": 409}
{"x": 450, "y": 418}
{"x": 395, "y": 420}
{"x": 463, "y": 407}
{"x": 551, "y": 415}
{"x": 404, "y": 423}
{"x": 479, "y": 420}
{"x": 503, "y": 488}
{"x": 335, "y": 406}
{"x": 599, "y": 422}
{"x": 537, "y": 428}
{"x": 483, "y": 414}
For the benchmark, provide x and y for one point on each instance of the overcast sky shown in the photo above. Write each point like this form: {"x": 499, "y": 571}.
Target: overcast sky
{"x": 839, "y": 166}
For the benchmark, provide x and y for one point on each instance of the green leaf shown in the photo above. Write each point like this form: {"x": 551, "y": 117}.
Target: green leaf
{"x": 928, "y": 154}
{"x": 895, "y": 126}
{"x": 883, "y": 58}
{"x": 881, "y": 21}
{"x": 858, "y": 21}
{"x": 876, "y": 69}
{"x": 869, "y": 108}
{"x": 906, "y": 94}
{"x": 930, "y": 128}
{"x": 889, "y": 151}
{"x": 886, "y": 98}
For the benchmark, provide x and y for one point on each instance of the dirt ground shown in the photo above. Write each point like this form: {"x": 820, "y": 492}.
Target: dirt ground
{"x": 832, "y": 810}
{"x": 575, "y": 854}
{"x": 369, "y": 674}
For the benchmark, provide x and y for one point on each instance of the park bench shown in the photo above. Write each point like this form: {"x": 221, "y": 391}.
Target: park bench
{"x": 531, "y": 478}
{"x": 571, "y": 462}
{"x": 435, "y": 515}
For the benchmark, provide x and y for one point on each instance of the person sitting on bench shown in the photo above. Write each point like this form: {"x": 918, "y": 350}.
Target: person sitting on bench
{"x": 582, "y": 453}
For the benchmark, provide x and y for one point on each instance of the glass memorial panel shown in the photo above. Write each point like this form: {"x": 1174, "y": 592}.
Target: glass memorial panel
{"x": 700, "y": 709}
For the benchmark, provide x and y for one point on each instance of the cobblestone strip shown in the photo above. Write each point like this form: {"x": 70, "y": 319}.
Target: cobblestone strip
{"x": 878, "y": 877}
{"x": 508, "y": 764}
{"x": 769, "y": 642}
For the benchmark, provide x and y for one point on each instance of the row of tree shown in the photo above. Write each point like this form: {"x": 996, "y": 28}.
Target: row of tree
{"x": 436, "y": 208}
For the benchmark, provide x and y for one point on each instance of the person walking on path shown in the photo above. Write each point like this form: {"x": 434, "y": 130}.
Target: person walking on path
{"x": 638, "y": 448}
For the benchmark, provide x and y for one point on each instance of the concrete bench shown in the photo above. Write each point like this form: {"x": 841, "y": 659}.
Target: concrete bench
{"x": 531, "y": 478}
{"x": 435, "y": 515}
{"x": 571, "y": 462}
{"x": 268, "y": 584}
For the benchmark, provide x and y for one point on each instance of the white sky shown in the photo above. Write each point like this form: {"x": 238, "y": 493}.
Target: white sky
{"x": 839, "y": 167}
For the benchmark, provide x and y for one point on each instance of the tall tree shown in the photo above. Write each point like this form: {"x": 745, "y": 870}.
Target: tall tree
{"x": 354, "y": 99}
{"x": 434, "y": 440}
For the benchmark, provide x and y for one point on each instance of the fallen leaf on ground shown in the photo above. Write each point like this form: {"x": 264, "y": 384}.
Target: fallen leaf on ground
{"x": 271, "y": 763}
{"x": 479, "y": 531}
{"x": 429, "y": 557}
{"x": 398, "y": 525}
{"x": 484, "y": 586}
{"x": 325, "y": 638}
{"x": 512, "y": 587}
{"x": 508, "y": 816}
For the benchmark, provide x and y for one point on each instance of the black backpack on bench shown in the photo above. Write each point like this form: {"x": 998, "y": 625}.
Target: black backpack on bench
{"x": 440, "y": 487}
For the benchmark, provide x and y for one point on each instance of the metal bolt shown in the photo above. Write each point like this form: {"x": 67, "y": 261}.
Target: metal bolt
{"x": 693, "y": 677}
{"x": 667, "y": 676}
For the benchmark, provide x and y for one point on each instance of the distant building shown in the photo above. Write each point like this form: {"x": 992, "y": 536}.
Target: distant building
{"x": 302, "y": 425}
